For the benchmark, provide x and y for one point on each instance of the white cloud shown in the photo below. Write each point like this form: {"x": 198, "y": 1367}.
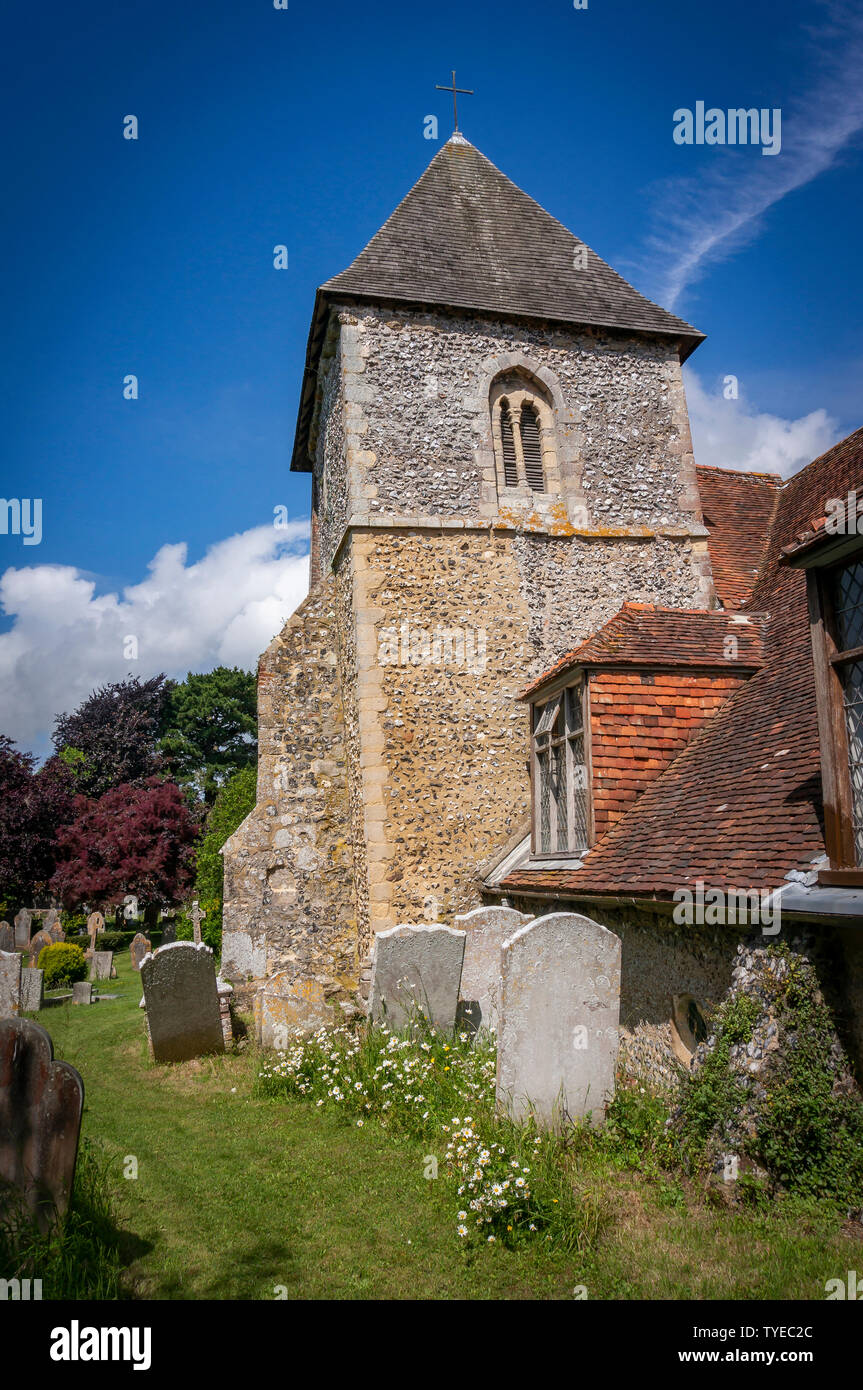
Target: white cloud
{"x": 65, "y": 640}
{"x": 732, "y": 434}
{"x": 701, "y": 220}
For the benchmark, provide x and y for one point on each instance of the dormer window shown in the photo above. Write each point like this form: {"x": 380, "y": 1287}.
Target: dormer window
{"x": 559, "y": 774}
{"x": 523, "y": 430}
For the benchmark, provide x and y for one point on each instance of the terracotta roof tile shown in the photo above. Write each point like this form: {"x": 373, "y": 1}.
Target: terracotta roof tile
{"x": 738, "y": 510}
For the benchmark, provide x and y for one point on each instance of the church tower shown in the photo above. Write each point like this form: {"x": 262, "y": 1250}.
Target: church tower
{"x": 496, "y": 430}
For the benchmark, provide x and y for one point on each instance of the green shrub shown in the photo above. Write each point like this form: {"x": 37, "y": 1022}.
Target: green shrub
{"x": 63, "y": 964}
{"x": 114, "y": 940}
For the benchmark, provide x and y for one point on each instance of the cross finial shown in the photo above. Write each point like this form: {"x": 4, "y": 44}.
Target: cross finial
{"x": 197, "y": 917}
{"x": 464, "y": 91}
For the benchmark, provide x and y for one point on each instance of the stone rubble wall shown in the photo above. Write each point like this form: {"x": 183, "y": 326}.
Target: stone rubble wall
{"x": 289, "y": 895}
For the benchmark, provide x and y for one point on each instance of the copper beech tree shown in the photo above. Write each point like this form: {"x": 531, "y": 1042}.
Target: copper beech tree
{"x": 134, "y": 839}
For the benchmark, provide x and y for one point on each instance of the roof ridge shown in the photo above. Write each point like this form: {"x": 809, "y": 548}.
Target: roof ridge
{"x": 743, "y": 473}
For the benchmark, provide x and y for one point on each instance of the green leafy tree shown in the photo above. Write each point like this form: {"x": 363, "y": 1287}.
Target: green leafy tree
{"x": 233, "y": 803}
{"x": 209, "y": 729}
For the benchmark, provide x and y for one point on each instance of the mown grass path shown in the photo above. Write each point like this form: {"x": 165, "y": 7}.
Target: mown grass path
{"x": 237, "y": 1195}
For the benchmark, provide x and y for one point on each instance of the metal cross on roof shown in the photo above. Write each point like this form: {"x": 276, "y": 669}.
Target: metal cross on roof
{"x": 197, "y": 916}
{"x": 464, "y": 91}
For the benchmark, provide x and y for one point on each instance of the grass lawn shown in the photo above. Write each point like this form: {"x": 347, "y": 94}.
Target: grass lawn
{"x": 238, "y": 1195}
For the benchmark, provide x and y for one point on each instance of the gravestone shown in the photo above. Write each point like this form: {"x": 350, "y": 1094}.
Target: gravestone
{"x": 54, "y": 926}
{"x": 39, "y": 942}
{"x": 7, "y": 937}
{"x": 182, "y": 1002}
{"x": 139, "y": 948}
{"x": 558, "y": 1033}
{"x": 95, "y": 924}
{"x": 169, "y": 933}
{"x": 416, "y": 969}
{"x": 101, "y": 964}
{"x": 31, "y": 990}
{"x": 82, "y": 992}
{"x": 130, "y": 907}
{"x": 10, "y": 983}
{"x": 40, "y": 1120}
{"x": 288, "y": 1005}
{"x": 197, "y": 916}
{"x": 23, "y": 923}
{"x": 486, "y": 928}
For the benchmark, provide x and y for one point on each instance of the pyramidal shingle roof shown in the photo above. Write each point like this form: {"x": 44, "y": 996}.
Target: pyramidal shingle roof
{"x": 467, "y": 237}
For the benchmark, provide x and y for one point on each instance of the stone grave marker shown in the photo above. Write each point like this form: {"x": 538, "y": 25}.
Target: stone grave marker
{"x": 101, "y": 965}
{"x": 169, "y": 933}
{"x": 560, "y": 1005}
{"x": 39, "y": 942}
{"x": 7, "y": 937}
{"x": 82, "y": 992}
{"x": 486, "y": 928}
{"x": 23, "y": 923}
{"x": 40, "y": 1120}
{"x": 95, "y": 924}
{"x": 139, "y": 948}
{"x": 416, "y": 968}
{"x": 10, "y": 983}
{"x": 182, "y": 1002}
{"x": 288, "y": 1005}
{"x": 197, "y": 916}
{"x": 31, "y": 990}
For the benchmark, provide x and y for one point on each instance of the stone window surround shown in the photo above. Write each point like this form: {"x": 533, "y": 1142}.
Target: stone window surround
{"x": 563, "y": 482}
{"x": 517, "y": 389}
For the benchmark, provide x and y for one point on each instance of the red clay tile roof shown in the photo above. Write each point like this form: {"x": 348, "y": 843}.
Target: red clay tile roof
{"x": 738, "y": 509}
{"x": 641, "y": 634}
{"x": 742, "y": 804}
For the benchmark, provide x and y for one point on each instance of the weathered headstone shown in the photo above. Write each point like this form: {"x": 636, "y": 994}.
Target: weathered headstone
{"x": 139, "y": 948}
{"x": 130, "y": 907}
{"x": 50, "y": 919}
{"x": 23, "y": 923}
{"x": 100, "y": 965}
{"x": 288, "y": 1005}
{"x": 82, "y": 992}
{"x": 54, "y": 927}
{"x": 169, "y": 933}
{"x": 416, "y": 969}
{"x": 224, "y": 991}
{"x": 40, "y": 1120}
{"x": 7, "y": 937}
{"x": 31, "y": 990}
{"x": 39, "y": 942}
{"x": 95, "y": 924}
{"x": 10, "y": 984}
{"x": 182, "y": 1002}
{"x": 560, "y": 1006}
{"x": 487, "y": 928}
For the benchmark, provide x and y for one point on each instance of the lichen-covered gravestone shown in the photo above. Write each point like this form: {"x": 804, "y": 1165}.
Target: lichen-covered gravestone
{"x": 23, "y": 923}
{"x": 560, "y": 1008}
{"x": 101, "y": 964}
{"x": 82, "y": 992}
{"x": 31, "y": 990}
{"x": 40, "y": 1120}
{"x": 182, "y": 1002}
{"x": 7, "y": 937}
{"x": 38, "y": 944}
{"x": 288, "y": 1005}
{"x": 10, "y": 983}
{"x": 53, "y": 926}
{"x": 486, "y": 928}
{"x": 139, "y": 948}
{"x": 416, "y": 969}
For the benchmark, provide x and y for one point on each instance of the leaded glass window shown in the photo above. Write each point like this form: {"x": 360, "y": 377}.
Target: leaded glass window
{"x": 560, "y": 774}
{"x": 847, "y": 597}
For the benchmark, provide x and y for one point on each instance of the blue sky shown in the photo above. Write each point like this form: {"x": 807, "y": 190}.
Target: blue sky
{"x": 305, "y": 127}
